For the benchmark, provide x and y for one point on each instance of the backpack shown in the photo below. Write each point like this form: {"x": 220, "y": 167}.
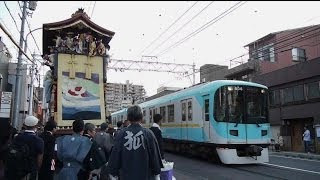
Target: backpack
{"x": 18, "y": 160}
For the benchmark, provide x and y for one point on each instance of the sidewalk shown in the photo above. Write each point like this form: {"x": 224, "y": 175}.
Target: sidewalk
{"x": 296, "y": 154}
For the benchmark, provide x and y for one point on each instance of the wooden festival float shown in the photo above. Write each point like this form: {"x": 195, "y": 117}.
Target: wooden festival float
{"x": 76, "y": 49}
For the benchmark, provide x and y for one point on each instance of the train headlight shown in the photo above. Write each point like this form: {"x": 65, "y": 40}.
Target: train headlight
{"x": 263, "y": 91}
{"x": 230, "y": 88}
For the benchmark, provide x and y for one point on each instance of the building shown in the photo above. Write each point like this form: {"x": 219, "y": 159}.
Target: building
{"x": 37, "y": 103}
{"x": 162, "y": 91}
{"x": 278, "y": 50}
{"x": 212, "y": 72}
{"x": 294, "y": 96}
{"x": 288, "y": 63}
{"x": 5, "y": 89}
{"x": 120, "y": 95}
{"x": 5, "y": 57}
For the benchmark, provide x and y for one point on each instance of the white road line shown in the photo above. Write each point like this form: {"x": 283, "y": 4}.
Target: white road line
{"x": 303, "y": 159}
{"x": 285, "y": 167}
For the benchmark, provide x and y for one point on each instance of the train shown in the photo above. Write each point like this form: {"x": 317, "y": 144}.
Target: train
{"x": 224, "y": 120}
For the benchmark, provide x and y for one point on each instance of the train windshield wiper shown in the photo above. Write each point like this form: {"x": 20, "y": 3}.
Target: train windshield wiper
{"x": 258, "y": 118}
{"x": 258, "y": 123}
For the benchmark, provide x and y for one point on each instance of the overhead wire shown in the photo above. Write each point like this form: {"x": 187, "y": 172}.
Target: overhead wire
{"x": 30, "y": 30}
{"x": 12, "y": 40}
{"x": 149, "y": 45}
{"x": 89, "y": 8}
{"x": 183, "y": 26}
{"x": 285, "y": 38}
{"x": 15, "y": 23}
{"x": 278, "y": 50}
{"x": 203, "y": 27}
{"x": 94, "y": 5}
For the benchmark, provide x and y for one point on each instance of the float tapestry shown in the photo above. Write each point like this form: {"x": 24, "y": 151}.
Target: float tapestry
{"x": 80, "y": 89}
{"x": 80, "y": 97}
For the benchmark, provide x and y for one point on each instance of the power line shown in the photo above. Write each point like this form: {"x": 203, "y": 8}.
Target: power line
{"x": 169, "y": 27}
{"x": 11, "y": 16}
{"x": 183, "y": 26}
{"x": 280, "y": 40}
{"x": 94, "y": 5}
{"x": 89, "y": 7}
{"x": 279, "y": 49}
{"x": 208, "y": 24}
{"x": 12, "y": 40}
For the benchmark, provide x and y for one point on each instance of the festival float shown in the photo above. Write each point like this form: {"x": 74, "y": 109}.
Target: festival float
{"x": 76, "y": 50}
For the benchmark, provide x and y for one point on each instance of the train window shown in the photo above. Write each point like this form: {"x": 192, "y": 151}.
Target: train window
{"x": 144, "y": 116}
{"x": 163, "y": 113}
{"x": 256, "y": 105}
{"x": 189, "y": 111}
{"x": 220, "y": 105}
{"x": 235, "y": 102}
{"x": 121, "y": 117}
{"x": 154, "y": 111}
{"x": 183, "y": 111}
{"x": 171, "y": 113}
{"x": 150, "y": 117}
{"x": 206, "y": 110}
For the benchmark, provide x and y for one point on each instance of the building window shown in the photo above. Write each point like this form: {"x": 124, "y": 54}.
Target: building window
{"x": 298, "y": 54}
{"x": 274, "y": 98}
{"x": 268, "y": 53}
{"x": 163, "y": 114}
{"x": 171, "y": 113}
{"x": 183, "y": 111}
{"x": 298, "y": 94}
{"x": 265, "y": 53}
{"x": 313, "y": 90}
{"x": 189, "y": 111}
{"x": 287, "y": 95}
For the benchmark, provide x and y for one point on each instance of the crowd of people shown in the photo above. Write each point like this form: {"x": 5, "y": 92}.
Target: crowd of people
{"x": 129, "y": 152}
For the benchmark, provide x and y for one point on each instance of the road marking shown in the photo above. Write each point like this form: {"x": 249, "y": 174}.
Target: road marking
{"x": 297, "y": 169}
{"x": 296, "y": 158}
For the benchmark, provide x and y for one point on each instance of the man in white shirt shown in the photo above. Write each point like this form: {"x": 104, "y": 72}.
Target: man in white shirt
{"x": 306, "y": 140}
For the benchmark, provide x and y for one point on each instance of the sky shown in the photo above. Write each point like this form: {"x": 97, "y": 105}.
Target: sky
{"x": 136, "y": 24}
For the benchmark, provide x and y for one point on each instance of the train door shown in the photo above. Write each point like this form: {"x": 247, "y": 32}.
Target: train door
{"x": 184, "y": 120}
{"x": 152, "y": 112}
{"x": 205, "y": 117}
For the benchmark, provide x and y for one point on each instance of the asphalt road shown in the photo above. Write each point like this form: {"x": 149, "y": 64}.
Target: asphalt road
{"x": 186, "y": 168}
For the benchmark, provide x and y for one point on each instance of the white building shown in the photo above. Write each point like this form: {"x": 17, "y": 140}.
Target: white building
{"x": 120, "y": 95}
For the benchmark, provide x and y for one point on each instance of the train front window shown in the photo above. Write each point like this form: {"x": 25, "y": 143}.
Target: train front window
{"x": 235, "y": 103}
{"x": 241, "y": 104}
{"x": 256, "y": 105}
{"x": 220, "y": 103}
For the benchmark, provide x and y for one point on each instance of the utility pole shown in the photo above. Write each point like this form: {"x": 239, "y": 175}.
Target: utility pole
{"x": 17, "y": 92}
{"x": 194, "y": 73}
{"x": 30, "y": 111}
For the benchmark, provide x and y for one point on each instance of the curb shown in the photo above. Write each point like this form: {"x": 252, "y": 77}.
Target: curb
{"x": 298, "y": 155}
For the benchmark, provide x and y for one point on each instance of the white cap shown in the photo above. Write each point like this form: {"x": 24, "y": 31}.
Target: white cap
{"x": 31, "y": 121}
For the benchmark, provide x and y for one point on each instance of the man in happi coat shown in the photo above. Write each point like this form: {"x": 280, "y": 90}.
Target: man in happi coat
{"x": 72, "y": 150}
{"x": 135, "y": 155}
